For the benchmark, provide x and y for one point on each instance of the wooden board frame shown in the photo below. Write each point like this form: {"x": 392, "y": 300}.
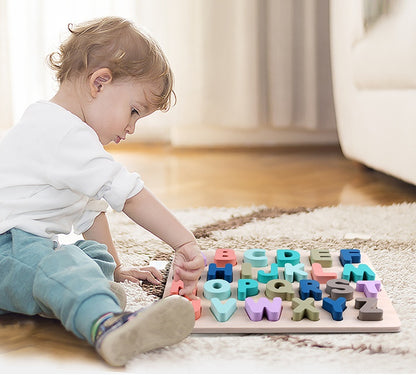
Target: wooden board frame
{"x": 240, "y": 322}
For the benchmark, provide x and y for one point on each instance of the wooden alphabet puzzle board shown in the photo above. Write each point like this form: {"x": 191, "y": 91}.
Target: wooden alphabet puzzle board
{"x": 239, "y": 321}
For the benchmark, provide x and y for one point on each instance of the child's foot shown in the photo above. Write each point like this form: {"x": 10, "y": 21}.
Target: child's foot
{"x": 125, "y": 335}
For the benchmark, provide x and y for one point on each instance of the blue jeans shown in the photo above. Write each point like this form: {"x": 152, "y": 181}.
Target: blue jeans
{"x": 70, "y": 282}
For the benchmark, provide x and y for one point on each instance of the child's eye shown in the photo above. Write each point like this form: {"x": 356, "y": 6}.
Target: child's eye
{"x": 134, "y": 111}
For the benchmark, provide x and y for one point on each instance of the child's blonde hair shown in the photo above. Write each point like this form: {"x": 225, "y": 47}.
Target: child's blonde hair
{"x": 114, "y": 43}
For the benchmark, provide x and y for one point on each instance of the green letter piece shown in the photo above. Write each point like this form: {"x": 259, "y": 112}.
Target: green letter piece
{"x": 280, "y": 288}
{"x": 246, "y": 272}
{"x": 323, "y": 257}
{"x": 302, "y": 308}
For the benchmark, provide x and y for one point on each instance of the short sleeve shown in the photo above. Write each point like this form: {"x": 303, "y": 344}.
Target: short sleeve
{"x": 82, "y": 165}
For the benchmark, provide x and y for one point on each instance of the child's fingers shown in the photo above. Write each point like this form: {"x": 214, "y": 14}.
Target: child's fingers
{"x": 186, "y": 275}
{"x": 154, "y": 271}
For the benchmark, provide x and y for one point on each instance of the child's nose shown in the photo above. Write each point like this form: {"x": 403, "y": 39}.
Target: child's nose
{"x": 131, "y": 127}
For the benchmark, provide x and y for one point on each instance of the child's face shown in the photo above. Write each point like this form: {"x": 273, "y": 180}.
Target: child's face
{"x": 117, "y": 106}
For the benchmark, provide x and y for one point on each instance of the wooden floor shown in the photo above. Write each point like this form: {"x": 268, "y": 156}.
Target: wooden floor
{"x": 288, "y": 178}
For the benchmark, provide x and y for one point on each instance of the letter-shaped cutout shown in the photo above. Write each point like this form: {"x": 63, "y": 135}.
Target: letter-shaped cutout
{"x": 256, "y": 257}
{"x": 284, "y": 256}
{"x": 224, "y": 256}
{"x": 280, "y": 288}
{"x": 362, "y": 272}
{"x": 263, "y": 307}
{"x": 217, "y": 288}
{"x": 339, "y": 288}
{"x": 247, "y": 288}
{"x": 310, "y": 288}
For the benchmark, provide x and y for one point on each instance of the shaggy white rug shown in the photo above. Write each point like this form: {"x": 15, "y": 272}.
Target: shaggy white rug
{"x": 385, "y": 234}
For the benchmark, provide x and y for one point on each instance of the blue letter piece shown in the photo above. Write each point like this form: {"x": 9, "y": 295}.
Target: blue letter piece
{"x": 309, "y": 288}
{"x": 256, "y": 257}
{"x": 348, "y": 256}
{"x": 335, "y": 307}
{"x": 225, "y": 273}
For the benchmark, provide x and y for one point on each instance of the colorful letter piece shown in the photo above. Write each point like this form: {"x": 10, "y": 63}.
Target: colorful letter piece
{"x": 223, "y": 311}
{"x": 348, "y": 256}
{"x": 335, "y": 307}
{"x": 339, "y": 288}
{"x": 246, "y": 271}
{"x": 263, "y": 307}
{"x": 295, "y": 272}
{"x": 369, "y": 287}
{"x": 177, "y": 286}
{"x": 257, "y": 257}
{"x": 264, "y": 278}
{"x": 320, "y": 276}
{"x": 304, "y": 308}
{"x": 224, "y": 256}
{"x": 217, "y": 288}
{"x": 284, "y": 256}
{"x": 309, "y": 288}
{"x": 368, "y": 309}
{"x": 247, "y": 288}
{"x": 280, "y": 288}
{"x": 362, "y": 272}
{"x": 196, "y": 304}
{"x": 225, "y": 273}
{"x": 323, "y": 257}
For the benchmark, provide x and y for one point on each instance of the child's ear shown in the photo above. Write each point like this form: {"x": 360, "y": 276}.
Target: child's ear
{"x": 98, "y": 80}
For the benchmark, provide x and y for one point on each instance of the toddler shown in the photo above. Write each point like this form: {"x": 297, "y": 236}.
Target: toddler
{"x": 55, "y": 176}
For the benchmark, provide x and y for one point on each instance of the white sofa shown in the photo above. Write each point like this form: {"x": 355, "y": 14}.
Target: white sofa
{"x": 374, "y": 83}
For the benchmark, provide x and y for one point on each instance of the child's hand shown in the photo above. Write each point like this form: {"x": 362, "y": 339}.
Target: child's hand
{"x": 188, "y": 266}
{"x": 135, "y": 274}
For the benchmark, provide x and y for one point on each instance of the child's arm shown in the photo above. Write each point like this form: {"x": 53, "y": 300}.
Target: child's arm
{"x": 100, "y": 232}
{"x": 148, "y": 212}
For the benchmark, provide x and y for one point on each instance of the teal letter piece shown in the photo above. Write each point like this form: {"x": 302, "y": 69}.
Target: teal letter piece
{"x": 223, "y": 311}
{"x": 362, "y": 272}
{"x": 287, "y": 256}
{"x": 295, "y": 273}
{"x": 335, "y": 307}
{"x": 257, "y": 257}
{"x": 217, "y": 288}
{"x": 264, "y": 278}
{"x": 247, "y": 288}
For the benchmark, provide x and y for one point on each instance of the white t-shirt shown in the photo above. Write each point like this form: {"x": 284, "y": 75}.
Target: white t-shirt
{"x": 55, "y": 175}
